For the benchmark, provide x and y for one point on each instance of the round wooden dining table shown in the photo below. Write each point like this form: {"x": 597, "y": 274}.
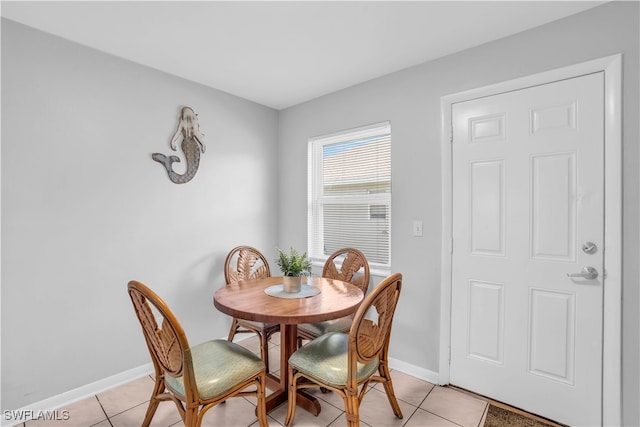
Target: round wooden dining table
{"x": 255, "y": 300}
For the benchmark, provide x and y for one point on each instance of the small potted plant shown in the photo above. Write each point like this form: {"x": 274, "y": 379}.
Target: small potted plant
{"x": 293, "y": 266}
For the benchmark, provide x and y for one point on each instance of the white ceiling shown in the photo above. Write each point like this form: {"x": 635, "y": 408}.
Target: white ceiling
{"x": 281, "y": 53}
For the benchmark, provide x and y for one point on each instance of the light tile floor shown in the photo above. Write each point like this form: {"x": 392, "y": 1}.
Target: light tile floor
{"x": 423, "y": 404}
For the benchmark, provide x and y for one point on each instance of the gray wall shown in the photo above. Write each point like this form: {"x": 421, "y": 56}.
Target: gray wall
{"x": 85, "y": 209}
{"x": 410, "y": 99}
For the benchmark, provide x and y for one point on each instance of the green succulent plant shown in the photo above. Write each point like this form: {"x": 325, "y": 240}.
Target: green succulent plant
{"x": 293, "y": 264}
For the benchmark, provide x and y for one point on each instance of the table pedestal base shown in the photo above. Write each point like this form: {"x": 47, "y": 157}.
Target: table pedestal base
{"x": 303, "y": 400}
{"x": 288, "y": 345}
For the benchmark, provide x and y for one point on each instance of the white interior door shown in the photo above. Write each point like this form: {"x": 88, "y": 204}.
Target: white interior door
{"x": 528, "y": 209}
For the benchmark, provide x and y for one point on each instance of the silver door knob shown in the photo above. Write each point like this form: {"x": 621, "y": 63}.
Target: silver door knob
{"x": 588, "y": 273}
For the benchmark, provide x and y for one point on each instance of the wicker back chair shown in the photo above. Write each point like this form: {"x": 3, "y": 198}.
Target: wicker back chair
{"x": 353, "y": 269}
{"x": 244, "y": 263}
{"x": 344, "y": 362}
{"x": 353, "y": 263}
{"x": 194, "y": 378}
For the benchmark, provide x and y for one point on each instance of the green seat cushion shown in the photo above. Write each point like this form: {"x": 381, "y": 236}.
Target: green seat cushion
{"x": 336, "y": 325}
{"x": 218, "y": 365}
{"x": 326, "y": 359}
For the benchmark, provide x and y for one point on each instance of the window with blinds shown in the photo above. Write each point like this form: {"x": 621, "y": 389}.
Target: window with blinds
{"x": 350, "y": 193}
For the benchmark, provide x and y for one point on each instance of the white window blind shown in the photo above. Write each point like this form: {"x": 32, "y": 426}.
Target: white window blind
{"x": 350, "y": 193}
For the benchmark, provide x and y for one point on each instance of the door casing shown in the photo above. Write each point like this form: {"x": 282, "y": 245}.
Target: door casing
{"x": 612, "y": 321}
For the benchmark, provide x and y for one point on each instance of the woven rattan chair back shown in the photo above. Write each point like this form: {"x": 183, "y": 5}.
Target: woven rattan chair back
{"x": 353, "y": 269}
{"x": 245, "y": 262}
{"x": 167, "y": 342}
{"x": 369, "y": 339}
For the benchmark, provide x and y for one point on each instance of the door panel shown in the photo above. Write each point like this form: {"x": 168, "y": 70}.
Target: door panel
{"x": 553, "y": 220}
{"x": 486, "y": 321}
{"x": 528, "y": 192}
{"x": 487, "y": 208}
{"x": 552, "y": 335}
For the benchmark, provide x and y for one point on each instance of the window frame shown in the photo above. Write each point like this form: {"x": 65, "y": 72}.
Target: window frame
{"x": 316, "y": 199}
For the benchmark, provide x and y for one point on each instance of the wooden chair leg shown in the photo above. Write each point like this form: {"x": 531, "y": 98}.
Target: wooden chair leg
{"x": 388, "y": 388}
{"x": 232, "y": 330}
{"x": 191, "y": 417}
{"x": 151, "y": 410}
{"x": 291, "y": 404}
{"x": 264, "y": 349}
{"x": 158, "y": 388}
{"x": 351, "y": 409}
{"x": 262, "y": 402}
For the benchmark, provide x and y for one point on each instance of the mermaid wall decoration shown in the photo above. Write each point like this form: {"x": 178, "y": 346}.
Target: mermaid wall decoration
{"x": 192, "y": 144}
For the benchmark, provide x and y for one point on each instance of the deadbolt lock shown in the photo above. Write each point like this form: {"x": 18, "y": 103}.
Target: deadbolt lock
{"x": 589, "y": 248}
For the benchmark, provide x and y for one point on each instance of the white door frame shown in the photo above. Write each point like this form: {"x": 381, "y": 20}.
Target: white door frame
{"x": 612, "y": 326}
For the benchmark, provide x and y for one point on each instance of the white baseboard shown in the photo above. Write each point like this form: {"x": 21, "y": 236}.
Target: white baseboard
{"x": 413, "y": 370}
{"x": 68, "y": 397}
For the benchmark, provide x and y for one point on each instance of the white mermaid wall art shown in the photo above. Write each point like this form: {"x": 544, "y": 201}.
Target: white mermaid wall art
{"x": 192, "y": 144}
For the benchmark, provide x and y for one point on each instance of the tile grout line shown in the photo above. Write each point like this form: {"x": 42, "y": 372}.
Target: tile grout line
{"x": 406, "y": 420}
{"x": 103, "y": 410}
{"x": 447, "y": 419}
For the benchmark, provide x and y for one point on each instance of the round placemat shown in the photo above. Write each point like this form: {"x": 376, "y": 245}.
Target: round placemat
{"x": 305, "y": 291}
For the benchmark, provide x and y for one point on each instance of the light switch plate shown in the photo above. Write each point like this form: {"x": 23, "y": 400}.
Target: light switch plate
{"x": 417, "y": 228}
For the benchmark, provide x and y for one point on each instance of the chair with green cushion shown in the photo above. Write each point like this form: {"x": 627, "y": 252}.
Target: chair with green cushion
{"x": 344, "y": 362}
{"x": 244, "y": 263}
{"x": 194, "y": 378}
{"x": 354, "y": 268}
